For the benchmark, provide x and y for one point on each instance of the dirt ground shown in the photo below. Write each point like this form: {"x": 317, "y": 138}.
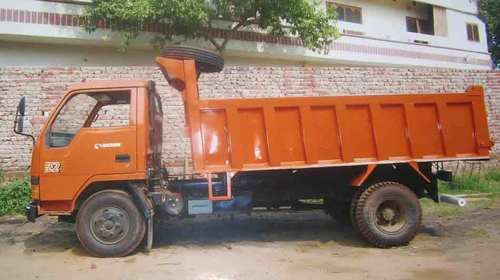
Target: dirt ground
{"x": 281, "y": 245}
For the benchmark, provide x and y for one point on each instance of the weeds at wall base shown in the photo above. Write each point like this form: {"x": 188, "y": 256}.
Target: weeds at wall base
{"x": 14, "y": 195}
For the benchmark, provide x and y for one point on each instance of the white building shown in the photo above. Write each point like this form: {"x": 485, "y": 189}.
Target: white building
{"x": 433, "y": 33}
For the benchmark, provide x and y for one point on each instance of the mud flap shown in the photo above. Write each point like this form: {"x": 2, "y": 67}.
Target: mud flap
{"x": 432, "y": 189}
{"x": 149, "y": 240}
{"x": 145, "y": 205}
{"x": 430, "y": 180}
{"x": 32, "y": 211}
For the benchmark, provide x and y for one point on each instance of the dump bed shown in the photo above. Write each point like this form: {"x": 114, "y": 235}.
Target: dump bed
{"x": 271, "y": 133}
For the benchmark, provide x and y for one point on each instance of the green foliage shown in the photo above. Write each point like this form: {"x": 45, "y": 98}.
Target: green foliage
{"x": 490, "y": 11}
{"x": 466, "y": 183}
{"x": 488, "y": 182}
{"x": 14, "y": 196}
{"x": 493, "y": 175}
{"x": 189, "y": 19}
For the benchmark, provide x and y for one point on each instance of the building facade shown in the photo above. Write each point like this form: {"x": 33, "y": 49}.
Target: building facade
{"x": 388, "y": 46}
{"x": 430, "y": 33}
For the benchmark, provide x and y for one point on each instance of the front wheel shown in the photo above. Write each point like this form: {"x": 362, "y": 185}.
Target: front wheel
{"x": 387, "y": 214}
{"x": 109, "y": 224}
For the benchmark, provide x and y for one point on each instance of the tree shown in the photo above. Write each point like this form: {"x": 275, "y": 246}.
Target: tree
{"x": 490, "y": 12}
{"x": 189, "y": 19}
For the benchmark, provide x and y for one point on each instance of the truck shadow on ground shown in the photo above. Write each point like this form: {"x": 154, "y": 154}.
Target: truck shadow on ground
{"x": 54, "y": 237}
{"x": 258, "y": 227}
{"x": 216, "y": 230}
{"x": 47, "y": 235}
{"x": 212, "y": 231}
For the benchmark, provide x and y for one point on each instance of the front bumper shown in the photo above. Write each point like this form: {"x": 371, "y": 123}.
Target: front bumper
{"x": 32, "y": 211}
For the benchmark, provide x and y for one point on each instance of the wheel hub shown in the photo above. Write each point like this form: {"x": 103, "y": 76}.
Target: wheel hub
{"x": 109, "y": 225}
{"x": 388, "y": 214}
{"x": 390, "y": 217}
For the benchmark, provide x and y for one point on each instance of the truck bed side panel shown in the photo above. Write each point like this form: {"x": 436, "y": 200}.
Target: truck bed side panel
{"x": 254, "y": 134}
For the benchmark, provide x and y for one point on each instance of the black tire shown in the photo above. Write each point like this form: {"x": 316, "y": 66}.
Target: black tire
{"x": 352, "y": 212}
{"x": 206, "y": 61}
{"x": 388, "y": 214}
{"x": 109, "y": 224}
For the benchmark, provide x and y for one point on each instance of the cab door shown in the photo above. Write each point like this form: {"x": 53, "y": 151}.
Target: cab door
{"x": 93, "y": 133}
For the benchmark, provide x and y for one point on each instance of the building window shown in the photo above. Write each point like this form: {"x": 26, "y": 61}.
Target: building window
{"x": 439, "y": 16}
{"x": 346, "y": 13}
{"x": 417, "y": 25}
{"x": 472, "y": 32}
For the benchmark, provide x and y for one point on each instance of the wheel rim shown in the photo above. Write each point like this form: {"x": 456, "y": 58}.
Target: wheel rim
{"x": 391, "y": 217}
{"x": 109, "y": 225}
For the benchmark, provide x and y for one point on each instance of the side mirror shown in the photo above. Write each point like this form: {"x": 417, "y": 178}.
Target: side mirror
{"x": 19, "y": 121}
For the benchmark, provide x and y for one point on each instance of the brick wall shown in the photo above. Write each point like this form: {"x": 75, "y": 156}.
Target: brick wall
{"x": 44, "y": 87}
{"x": 493, "y": 107}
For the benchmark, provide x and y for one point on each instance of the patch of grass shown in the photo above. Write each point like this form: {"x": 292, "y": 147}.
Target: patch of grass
{"x": 488, "y": 182}
{"x": 14, "y": 195}
{"x": 446, "y": 210}
{"x": 493, "y": 175}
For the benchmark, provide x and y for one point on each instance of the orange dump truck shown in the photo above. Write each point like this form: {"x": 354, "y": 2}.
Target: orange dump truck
{"x": 367, "y": 159}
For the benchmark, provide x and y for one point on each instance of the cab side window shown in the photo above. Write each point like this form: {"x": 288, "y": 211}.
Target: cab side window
{"x": 90, "y": 110}
{"x": 112, "y": 115}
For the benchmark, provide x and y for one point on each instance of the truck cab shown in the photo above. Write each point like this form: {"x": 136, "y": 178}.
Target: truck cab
{"x": 99, "y": 131}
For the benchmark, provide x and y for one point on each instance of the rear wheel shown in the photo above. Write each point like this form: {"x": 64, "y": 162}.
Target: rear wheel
{"x": 352, "y": 209}
{"x": 109, "y": 224}
{"x": 387, "y": 214}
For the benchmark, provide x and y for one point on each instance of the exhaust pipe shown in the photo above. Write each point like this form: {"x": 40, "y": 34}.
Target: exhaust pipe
{"x": 459, "y": 201}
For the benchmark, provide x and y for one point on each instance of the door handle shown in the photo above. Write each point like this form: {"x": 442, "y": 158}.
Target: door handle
{"x": 122, "y": 158}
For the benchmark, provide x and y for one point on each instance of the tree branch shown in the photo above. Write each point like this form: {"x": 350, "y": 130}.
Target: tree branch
{"x": 222, "y": 47}
{"x": 216, "y": 45}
